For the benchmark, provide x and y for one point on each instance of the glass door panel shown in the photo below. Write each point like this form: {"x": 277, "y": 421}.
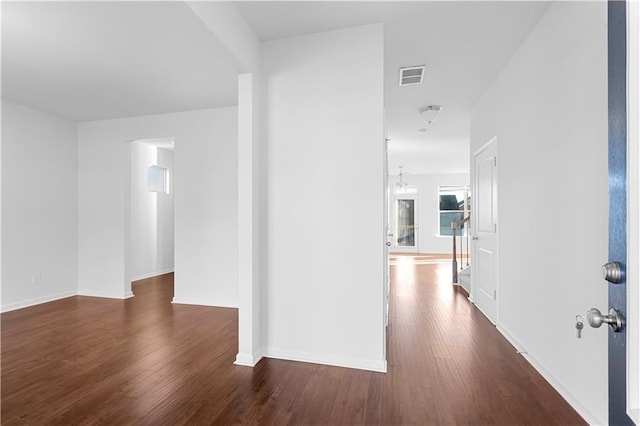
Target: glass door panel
{"x": 406, "y": 223}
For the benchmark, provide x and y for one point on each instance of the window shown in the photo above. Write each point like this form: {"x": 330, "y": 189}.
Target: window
{"x": 158, "y": 179}
{"x": 455, "y": 205}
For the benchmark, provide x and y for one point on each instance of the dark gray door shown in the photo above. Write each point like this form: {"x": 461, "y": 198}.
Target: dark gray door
{"x": 617, "y": 48}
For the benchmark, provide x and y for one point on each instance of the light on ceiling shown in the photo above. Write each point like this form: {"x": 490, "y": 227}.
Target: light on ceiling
{"x": 430, "y": 113}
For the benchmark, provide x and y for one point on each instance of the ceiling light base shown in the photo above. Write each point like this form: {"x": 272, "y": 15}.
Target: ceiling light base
{"x": 430, "y": 113}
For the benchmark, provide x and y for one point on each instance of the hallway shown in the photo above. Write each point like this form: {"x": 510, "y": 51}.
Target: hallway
{"x": 85, "y": 360}
{"x": 459, "y": 367}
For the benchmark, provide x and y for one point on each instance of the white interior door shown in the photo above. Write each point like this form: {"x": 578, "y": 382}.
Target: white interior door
{"x": 405, "y": 235}
{"x": 484, "y": 284}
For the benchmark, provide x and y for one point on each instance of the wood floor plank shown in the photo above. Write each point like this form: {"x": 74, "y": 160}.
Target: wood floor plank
{"x": 84, "y": 360}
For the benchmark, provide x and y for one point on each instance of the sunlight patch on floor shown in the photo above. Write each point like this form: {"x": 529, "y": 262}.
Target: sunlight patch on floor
{"x": 418, "y": 259}
{"x": 405, "y": 273}
{"x": 445, "y": 287}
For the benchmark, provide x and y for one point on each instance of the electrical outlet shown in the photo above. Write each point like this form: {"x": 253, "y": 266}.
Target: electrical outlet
{"x": 36, "y": 279}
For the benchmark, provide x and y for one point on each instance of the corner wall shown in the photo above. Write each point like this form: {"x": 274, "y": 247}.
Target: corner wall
{"x": 205, "y": 164}
{"x": 549, "y": 109}
{"x": 39, "y": 207}
{"x": 324, "y": 298}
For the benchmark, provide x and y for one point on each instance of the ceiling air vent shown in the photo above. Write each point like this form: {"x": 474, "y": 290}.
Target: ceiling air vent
{"x": 411, "y": 75}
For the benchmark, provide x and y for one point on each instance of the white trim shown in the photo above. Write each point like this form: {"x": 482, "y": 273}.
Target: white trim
{"x": 249, "y": 360}
{"x": 324, "y": 359}
{"x": 152, "y": 274}
{"x": 583, "y": 411}
{"x": 37, "y": 301}
{"x": 104, "y": 294}
{"x": 205, "y": 302}
{"x": 461, "y": 284}
{"x": 485, "y": 314}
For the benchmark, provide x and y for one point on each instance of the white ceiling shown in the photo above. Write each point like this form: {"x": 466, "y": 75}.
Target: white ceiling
{"x": 463, "y": 44}
{"x": 98, "y": 60}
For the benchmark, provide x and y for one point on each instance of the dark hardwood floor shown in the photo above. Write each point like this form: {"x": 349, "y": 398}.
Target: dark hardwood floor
{"x": 85, "y": 360}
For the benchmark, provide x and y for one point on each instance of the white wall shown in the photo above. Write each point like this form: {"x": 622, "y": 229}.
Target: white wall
{"x": 549, "y": 109}
{"x": 428, "y": 207}
{"x": 324, "y": 297}
{"x": 151, "y": 215}
{"x": 144, "y": 213}
{"x": 205, "y": 164}
{"x": 166, "y": 216}
{"x": 39, "y": 207}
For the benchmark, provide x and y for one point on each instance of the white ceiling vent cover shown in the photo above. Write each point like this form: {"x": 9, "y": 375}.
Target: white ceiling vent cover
{"x": 411, "y": 75}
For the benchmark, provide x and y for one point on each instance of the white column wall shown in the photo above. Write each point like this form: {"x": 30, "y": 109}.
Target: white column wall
{"x": 548, "y": 108}
{"x": 39, "y": 207}
{"x": 252, "y": 217}
{"x": 324, "y": 298}
{"x": 242, "y": 49}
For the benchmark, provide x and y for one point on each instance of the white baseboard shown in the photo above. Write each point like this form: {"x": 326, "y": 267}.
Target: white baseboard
{"x": 104, "y": 294}
{"x": 335, "y": 361}
{"x": 152, "y": 274}
{"x": 563, "y": 391}
{"x": 205, "y": 302}
{"x": 484, "y": 313}
{"x": 248, "y": 360}
{"x": 36, "y": 301}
